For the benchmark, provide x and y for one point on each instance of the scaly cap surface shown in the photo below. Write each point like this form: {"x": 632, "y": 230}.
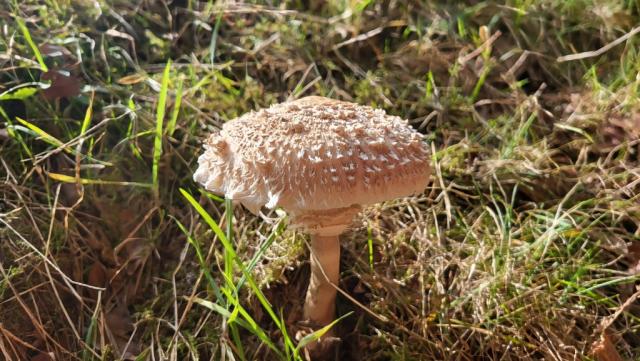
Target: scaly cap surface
{"x": 314, "y": 154}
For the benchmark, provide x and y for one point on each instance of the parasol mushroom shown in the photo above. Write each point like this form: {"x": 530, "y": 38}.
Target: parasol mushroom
{"x": 320, "y": 160}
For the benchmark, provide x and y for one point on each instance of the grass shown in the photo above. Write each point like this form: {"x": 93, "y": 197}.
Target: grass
{"x": 525, "y": 245}
{"x": 160, "y": 112}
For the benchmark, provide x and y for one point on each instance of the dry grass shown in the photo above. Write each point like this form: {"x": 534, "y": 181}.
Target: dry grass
{"x": 525, "y": 247}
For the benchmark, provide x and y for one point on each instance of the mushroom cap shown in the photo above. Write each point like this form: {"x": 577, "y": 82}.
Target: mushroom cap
{"x": 314, "y": 154}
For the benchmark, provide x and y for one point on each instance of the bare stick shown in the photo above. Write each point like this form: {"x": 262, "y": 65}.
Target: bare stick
{"x": 602, "y": 50}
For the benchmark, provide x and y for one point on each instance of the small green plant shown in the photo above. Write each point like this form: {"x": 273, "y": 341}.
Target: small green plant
{"x": 228, "y": 295}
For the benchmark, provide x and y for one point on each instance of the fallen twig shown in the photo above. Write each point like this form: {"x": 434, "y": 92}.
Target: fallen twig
{"x": 602, "y": 50}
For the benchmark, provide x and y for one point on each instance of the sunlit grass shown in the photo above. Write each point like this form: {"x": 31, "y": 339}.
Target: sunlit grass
{"x": 231, "y": 289}
{"x": 160, "y": 112}
{"x": 521, "y": 248}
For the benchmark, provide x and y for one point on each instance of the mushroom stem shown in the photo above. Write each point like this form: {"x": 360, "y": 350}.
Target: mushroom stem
{"x": 319, "y": 305}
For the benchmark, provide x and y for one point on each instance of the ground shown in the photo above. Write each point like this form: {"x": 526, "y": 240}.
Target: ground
{"x": 526, "y": 245}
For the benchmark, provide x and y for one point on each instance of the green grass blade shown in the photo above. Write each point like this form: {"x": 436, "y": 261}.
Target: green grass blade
{"x": 261, "y": 250}
{"x": 228, "y": 247}
{"x": 211, "y": 196}
{"x": 89, "y": 339}
{"x": 130, "y": 136}
{"x": 361, "y": 5}
{"x": 520, "y": 134}
{"x": 267, "y": 306}
{"x": 201, "y": 260}
{"x": 481, "y": 80}
{"x": 429, "y": 86}
{"x": 171, "y": 126}
{"x": 16, "y": 135}
{"x": 235, "y": 336}
{"x": 207, "y": 218}
{"x": 216, "y": 308}
{"x": 316, "y": 335}
{"x": 247, "y": 322}
{"x": 370, "y": 246}
{"x": 85, "y": 125}
{"x": 228, "y": 253}
{"x": 285, "y": 334}
{"x": 32, "y": 45}
{"x": 23, "y": 91}
{"x": 69, "y": 179}
{"x": 144, "y": 355}
{"x": 214, "y": 38}
{"x": 160, "y": 111}
{"x": 48, "y": 138}
{"x": 87, "y": 115}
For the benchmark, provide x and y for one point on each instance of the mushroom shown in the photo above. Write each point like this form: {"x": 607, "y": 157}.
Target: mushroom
{"x": 320, "y": 160}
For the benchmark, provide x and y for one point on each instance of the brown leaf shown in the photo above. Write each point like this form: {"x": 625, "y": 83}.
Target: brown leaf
{"x": 634, "y": 258}
{"x": 97, "y": 275}
{"x": 119, "y": 219}
{"x": 617, "y": 129}
{"x": 132, "y": 79}
{"x": 63, "y": 84}
{"x": 42, "y": 357}
{"x": 52, "y": 50}
{"x": 136, "y": 253}
{"x": 120, "y": 326}
{"x": 604, "y": 350}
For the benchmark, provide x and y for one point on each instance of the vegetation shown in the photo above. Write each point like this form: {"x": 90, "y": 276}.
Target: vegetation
{"x": 526, "y": 246}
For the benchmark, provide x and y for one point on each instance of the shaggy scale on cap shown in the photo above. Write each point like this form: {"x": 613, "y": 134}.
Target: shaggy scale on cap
{"x": 314, "y": 154}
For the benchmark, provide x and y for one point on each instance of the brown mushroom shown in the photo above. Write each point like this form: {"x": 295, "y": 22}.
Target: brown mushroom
{"x": 320, "y": 160}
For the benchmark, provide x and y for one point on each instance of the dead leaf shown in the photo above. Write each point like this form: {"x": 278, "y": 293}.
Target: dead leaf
{"x": 63, "y": 84}
{"x": 42, "y": 357}
{"x": 97, "y": 275}
{"x": 604, "y": 350}
{"x": 616, "y": 130}
{"x": 132, "y": 79}
{"x": 69, "y": 193}
{"x": 119, "y": 329}
{"x": 57, "y": 51}
{"x": 133, "y": 254}
{"x": 634, "y": 257}
{"x": 120, "y": 219}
